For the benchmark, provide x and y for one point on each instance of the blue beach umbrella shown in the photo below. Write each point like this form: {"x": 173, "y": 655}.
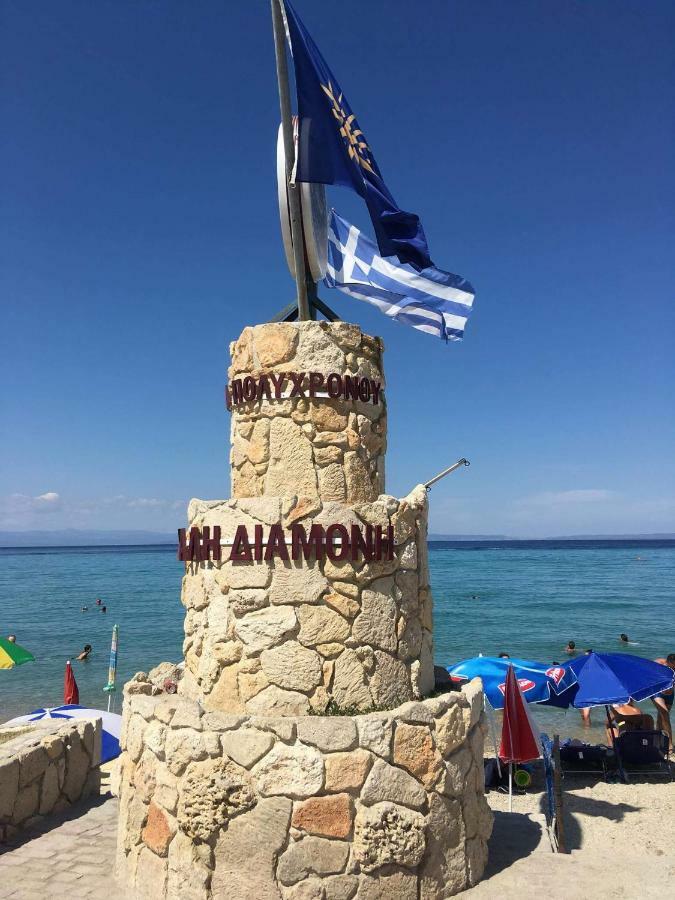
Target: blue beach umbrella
{"x": 606, "y": 678}
{"x": 111, "y": 724}
{"x": 539, "y": 682}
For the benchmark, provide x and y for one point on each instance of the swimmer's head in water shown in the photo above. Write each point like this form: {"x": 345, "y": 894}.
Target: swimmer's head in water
{"x": 11, "y": 638}
{"x": 571, "y": 645}
{"x": 623, "y": 638}
{"x": 87, "y": 648}
{"x": 670, "y": 660}
{"x": 503, "y": 656}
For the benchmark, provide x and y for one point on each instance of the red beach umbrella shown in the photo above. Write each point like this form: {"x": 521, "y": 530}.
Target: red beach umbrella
{"x": 520, "y": 741}
{"x": 70, "y": 692}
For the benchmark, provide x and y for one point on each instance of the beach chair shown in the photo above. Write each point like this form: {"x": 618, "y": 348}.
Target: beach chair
{"x": 644, "y": 752}
{"x": 577, "y": 758}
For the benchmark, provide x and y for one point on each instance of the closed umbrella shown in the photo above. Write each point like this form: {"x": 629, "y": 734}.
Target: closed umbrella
{"x": 110, "y": 687}
{"x": 520, "y": 737}
{"x": 11, "y": 654}
{"x": 71, "y": 693}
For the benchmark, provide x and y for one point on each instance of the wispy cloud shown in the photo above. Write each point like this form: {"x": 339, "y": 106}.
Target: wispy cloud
{"x": 20, "y": 511}
{"x": 568, "y": 498}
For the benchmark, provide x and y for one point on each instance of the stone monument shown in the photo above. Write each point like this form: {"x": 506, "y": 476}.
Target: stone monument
{"x": 299, "y": 758}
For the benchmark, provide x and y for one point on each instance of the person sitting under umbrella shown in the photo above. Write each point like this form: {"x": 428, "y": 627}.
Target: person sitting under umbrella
{"x": 628, "y": 717}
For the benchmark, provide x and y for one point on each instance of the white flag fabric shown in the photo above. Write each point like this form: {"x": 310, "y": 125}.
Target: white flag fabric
{"x": 430, "y": 300}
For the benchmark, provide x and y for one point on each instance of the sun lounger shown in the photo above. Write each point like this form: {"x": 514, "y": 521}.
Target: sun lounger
{"x": 577, "y": 758}
{"x": 644, "y": 752}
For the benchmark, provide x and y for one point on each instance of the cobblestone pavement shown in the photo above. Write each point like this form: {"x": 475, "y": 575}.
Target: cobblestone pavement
{"x": 72, "y": 857}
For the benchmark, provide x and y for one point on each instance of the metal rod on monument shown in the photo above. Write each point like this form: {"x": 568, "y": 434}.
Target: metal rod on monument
{"x": 289, "y": 152}
{"x": 460, "y": 462}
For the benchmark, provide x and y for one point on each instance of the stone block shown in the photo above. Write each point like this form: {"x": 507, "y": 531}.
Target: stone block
{"x": 443, "y": 870}
{"x": 347, "y": 771}
{"x": 182, "y": 747}
{"x": 210, "y": 795}
{"x": 388, "y": 834}
{"x": 278, "y": 701}
{"x": 330, "y": 816}
{"x": 375, "y": 734}
{"x": 49, "y": 792}
{"x": 386, "y": 782}
{"x": 158, "y": 831}
{"x": 291, "y": 771}
{"x": 312, "y": 856}
{"x": 9, "y": 786}
{"x": 77, "y": 769}
{"x": 292, "y": 666}
{"x": 390, "y": 682}
{"x": 340, "y": 887}
{"x": 321, "y": 625}
{"x": 26, "y": 803}
{"x": 328, "y": 733}
{"x": 246, "y": 745}
{"x": 297, "y": 583}
{"x": 265, "y": 628}
{"x": 350, "y": 686}
{"x": 189, "y": 869}
{"x": 33, "y": 763}
{"x": 151, "y": 875}
{"x": 414, "y": 750}
{"x": 376, "y": 623}
{"x": 246, "y": 854}
{"x": 387, "y": 885}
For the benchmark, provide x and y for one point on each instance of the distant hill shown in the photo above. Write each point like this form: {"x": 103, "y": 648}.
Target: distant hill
{"x": 469, "y": 537}
{"x": 72, "y": 537}
{"x": 563, "y": 537}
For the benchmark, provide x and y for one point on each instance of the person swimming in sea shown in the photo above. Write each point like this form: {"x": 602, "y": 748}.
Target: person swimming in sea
{"x": 85, "y": 653}
{"x": 503, "y": 655}
{"x": 571, "y": 648}
{"x": 624, "y": 638}
{"x": 104, "y": 609}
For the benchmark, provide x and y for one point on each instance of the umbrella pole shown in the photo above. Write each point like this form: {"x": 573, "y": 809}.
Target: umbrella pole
{"x": 510, "y": 787}
{"x": 610, "y": 729}
{"x": 487, "y": 706}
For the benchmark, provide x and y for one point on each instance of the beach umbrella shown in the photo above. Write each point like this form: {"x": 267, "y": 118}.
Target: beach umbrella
{"x": 111, "y": 724}
{"x": 71, "y": 693}
{"x": 539, "y": 682}
{"x": 520, "y": 737}
{"x": 605, "y": 678}
{"x": 11, "y": 654}
{"x": 615, "y": 678}
{"x": 110, "y": 687}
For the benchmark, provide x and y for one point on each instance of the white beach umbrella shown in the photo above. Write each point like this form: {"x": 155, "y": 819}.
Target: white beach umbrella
{"x": 111, "y": 724}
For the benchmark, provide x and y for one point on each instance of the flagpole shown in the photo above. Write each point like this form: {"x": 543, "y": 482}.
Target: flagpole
{"x": 289, "y": 152}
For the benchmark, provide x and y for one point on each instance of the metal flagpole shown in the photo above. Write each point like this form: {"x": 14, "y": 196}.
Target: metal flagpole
{"x": 289, "y": 151}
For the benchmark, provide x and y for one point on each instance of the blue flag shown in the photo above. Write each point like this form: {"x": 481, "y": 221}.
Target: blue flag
{"x": 431, "y": 300}
{"x": 334, "y": 150}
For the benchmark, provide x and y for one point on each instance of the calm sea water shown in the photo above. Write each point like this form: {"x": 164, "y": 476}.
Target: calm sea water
{"x": 526, "y": 598}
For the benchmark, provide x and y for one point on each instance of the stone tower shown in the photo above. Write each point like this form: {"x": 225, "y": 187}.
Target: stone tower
{"x": 305, "y": 593}
{"x": 285, "y": 634}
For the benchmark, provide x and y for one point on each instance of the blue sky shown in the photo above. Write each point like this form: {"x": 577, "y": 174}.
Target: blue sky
{"x": 140, "y": 235}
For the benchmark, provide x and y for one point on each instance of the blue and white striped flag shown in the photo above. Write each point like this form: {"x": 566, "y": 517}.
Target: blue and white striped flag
{"x": 431, "y": 300}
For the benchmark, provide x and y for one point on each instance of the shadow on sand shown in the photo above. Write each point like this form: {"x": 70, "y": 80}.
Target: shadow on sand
{"x": 514, "y": 836}
{"x": 54, "y": 820}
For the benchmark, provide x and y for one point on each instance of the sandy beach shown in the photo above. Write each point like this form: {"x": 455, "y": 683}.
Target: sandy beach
{"x": 621, "y": 839}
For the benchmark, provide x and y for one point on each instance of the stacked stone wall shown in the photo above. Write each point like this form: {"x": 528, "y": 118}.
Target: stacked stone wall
{"x": 45, "y": 769}
{"x": 380, "y": 805}
{"x": 304, "y": 445}
{"x": 290, "y": 636}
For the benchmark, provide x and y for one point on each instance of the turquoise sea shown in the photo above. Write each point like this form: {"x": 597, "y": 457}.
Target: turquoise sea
{"x": 525, "y": 598}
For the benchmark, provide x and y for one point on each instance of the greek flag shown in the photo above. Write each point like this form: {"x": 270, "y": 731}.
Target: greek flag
{"x": 431, "y": 300}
